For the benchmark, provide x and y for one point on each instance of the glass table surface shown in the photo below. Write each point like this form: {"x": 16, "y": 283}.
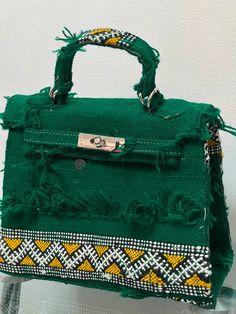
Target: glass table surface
{"x": 24, "y": 296}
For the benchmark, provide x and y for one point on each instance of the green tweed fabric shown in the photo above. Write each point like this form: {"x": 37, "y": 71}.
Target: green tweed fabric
{"x": 161, "y": 193}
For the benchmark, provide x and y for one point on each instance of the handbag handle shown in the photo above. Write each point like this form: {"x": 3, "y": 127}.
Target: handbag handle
{"x": 147, "y": 56}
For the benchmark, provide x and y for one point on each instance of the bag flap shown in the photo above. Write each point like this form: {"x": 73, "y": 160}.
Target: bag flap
{"x": 148, "y": 136}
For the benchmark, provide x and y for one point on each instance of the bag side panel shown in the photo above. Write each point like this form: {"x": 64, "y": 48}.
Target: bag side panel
{"x": 220, "y": 240}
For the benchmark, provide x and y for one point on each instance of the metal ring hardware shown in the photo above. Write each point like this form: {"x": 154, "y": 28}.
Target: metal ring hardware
{"x": 53, "y": 94}
{"x": 147, "y": 102}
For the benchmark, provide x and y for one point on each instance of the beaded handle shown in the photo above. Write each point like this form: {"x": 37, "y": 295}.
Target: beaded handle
{"x": 147, "y": 56}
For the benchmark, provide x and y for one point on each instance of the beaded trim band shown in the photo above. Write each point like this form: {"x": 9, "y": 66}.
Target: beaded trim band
{"x": 213, "y": 146}
{"x": 146, "y": 265}
{"x": 106, "y": 37}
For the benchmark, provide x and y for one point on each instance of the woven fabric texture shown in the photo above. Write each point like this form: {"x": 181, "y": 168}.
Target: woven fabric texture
{"x": 148, "y": 218}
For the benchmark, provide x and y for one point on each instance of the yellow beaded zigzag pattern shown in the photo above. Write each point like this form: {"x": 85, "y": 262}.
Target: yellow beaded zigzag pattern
{"x": 147, "y": 265}
{"x": 106, "y": 37}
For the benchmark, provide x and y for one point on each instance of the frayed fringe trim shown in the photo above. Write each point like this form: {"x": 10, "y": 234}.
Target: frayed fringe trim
{"x": 30, "y": 111}
{"x": 225, "y": 127}
{"x": 70, "y": 38}
{"x": 167, "y": 207}
{"x": 161, "y": 206}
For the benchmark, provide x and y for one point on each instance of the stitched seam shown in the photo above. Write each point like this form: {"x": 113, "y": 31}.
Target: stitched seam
{"x": 64, "y": 134}
{"x": 46, "y": 142}
{"x": 69, "y": 134}
{"x": 153, "y": 151}
{"x": 50, "y": 132}
{"x": 147, "y": 142}
{"x": 13, "y": 120}
{"x": 70, "y": 144}
{"x": 62, "y": 143}
{"x": 73, "y": 135}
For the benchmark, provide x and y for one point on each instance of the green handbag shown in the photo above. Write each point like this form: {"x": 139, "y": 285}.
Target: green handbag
{"x": 115, "y": 193}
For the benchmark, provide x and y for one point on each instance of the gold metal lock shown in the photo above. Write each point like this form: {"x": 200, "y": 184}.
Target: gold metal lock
{"x": 100, "y": 142}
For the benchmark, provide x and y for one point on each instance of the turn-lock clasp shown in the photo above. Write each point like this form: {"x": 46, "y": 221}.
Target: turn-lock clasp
{"x": 100, "y": 142}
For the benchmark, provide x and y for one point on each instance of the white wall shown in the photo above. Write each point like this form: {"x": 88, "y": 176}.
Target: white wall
{"x": 196, "y": 40}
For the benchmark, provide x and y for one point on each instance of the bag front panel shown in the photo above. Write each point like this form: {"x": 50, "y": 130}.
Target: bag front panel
{"x": 41, "y": 183}
{"x": 138, "y": 216}
{"x": 51, "y": 243}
